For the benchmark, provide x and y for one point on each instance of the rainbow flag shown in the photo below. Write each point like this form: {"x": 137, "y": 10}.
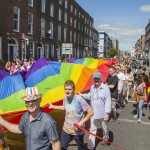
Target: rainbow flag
{"x": 49, "y": 77}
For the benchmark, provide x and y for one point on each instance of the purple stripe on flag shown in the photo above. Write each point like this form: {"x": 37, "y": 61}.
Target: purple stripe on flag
{"x": 3, "y": 74}
{"x": 36, "y": 66}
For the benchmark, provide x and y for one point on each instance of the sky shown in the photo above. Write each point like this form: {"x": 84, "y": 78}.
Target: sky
{"x": 123, "y": 19}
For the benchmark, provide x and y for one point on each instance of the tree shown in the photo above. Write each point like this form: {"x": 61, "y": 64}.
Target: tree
{"x": 112, "y": 52}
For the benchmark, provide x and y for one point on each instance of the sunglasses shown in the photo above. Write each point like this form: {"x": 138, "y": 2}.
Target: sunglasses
{"x": 31, "y": 101}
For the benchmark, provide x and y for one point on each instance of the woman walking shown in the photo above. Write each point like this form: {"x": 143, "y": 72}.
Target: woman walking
{"x": 139, "y": 95}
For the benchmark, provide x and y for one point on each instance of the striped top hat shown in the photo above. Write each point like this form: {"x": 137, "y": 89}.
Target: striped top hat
{"x": 31, "y": 93}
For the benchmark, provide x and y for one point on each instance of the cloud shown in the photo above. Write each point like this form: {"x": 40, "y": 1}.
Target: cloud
{"x": 145, "y": 8}
{"x": 126, "y": 33}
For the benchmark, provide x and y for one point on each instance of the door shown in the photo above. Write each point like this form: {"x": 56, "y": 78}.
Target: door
{"x": 40, "y": 52}
{"x": 11, "y": 53}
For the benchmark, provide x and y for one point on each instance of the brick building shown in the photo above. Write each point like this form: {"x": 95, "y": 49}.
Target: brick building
{"x": 44, "y": 28}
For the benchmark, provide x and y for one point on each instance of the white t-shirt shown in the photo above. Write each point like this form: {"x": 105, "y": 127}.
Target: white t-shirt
{"x": 120, "y": 80}
{"x": 125, "y": 77}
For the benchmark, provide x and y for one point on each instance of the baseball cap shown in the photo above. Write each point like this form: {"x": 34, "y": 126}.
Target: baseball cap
{"x": 97, "y": 75}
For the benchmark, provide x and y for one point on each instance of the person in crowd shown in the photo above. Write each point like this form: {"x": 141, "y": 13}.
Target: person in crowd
{"x": 75, "y": 106}
{"x": 39, "y": 128}
{"x": 120, "y": 76}
{"x": 3, "y": 140}
{"x": 130, "y": 78}
{"x": 100, "y": 101}
{"x": 13, "y": 67}
{"x": 112, "y": 82}
{"x": 29, "y": 65}
{"x": 7, "y": 67}
{"x": 125, "y": 82}
{"x": 134, "y": 71}
{"x": 139, "y": 95}
{"x": 144, "y": 75}
{"x": 146, "y": 80}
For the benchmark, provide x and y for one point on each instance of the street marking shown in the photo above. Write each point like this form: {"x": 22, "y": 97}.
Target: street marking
{"x": 133, "y": 121}
{"x": 131, "y": 101}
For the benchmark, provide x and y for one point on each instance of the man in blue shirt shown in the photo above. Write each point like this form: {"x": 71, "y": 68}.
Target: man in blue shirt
{"x": 39, "y": 128}
{"x": 100, "y": 101}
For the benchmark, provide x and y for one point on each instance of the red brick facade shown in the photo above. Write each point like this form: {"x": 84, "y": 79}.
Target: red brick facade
{"x": 12, "y": 40}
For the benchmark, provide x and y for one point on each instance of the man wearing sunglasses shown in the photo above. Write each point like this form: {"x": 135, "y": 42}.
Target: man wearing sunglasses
{"x": 39, "y": 128}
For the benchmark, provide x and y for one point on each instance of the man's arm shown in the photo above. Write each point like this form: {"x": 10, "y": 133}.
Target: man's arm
{"x": 55, "y": 144}
{"x": 89, "y": 114}
{"x": 107, "y": 105}
{"x": 111, "y": 86}
{"x": 11, "y": 127}
{"x": 51, "y": 106}
{"x": 114, "y": 83}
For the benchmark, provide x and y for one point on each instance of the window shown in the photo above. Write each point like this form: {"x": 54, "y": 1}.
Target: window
{"x": 59, "y": 33}
{"x": 74, "y": 37}
{"x": 70, "y": 36}
{"x": 65, "y": 34}
{"x": 59, "y": 15}
{"x": 70, "y": 21}
{"x": 81, "y": 40}
{"x": 52, "y": 50}
{"x": 65, "y": 18}
{"x": 52, "y": 10}
{"x": 30, "y": 3}
{"x": 43, "y": 6}
{"x": 79, "y": 26}
{"x": 66, "y": 4}
{"x": 75, "y": 23}
{"x": 31, "y": 49}
{"x": 51, "y": 29}
{"x": 78, "y": 39}
{"x": 60, "y": 2}
{"x": 30, "y": 23}
{"x": 47, "y": 51}
{"x": 84, "y": 29}
{"x": 71, "y": 8}
{"x": 75, "y": 12}
{"x": 79, "y": 14}
{"x": 16, "y": 19}
{"x": 42, "y": 27}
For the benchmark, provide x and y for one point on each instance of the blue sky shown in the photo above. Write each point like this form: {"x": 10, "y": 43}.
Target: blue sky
{"x": 123, "y": 19}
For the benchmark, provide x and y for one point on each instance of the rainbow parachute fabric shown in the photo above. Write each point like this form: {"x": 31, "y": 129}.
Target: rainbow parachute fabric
{"x": 49, "y": 77}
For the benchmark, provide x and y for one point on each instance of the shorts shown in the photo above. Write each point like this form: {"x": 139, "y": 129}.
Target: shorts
{"x": 113, "y": 103}
{"x": 124, "y": 87}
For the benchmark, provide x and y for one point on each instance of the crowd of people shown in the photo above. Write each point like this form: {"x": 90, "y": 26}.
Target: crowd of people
{"x": 40, "y": 130}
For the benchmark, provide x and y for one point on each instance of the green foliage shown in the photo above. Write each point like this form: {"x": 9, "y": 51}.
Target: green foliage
{"x": 112, "y": 52}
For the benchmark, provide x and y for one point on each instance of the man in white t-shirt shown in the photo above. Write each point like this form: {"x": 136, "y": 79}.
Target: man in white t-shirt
{"x": 120, "y": 76}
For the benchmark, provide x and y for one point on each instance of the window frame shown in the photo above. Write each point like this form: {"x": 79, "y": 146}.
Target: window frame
{"x": 31, "y": 3}
{"x": 18, "y": 19}
{"x": 30, "y": 23}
